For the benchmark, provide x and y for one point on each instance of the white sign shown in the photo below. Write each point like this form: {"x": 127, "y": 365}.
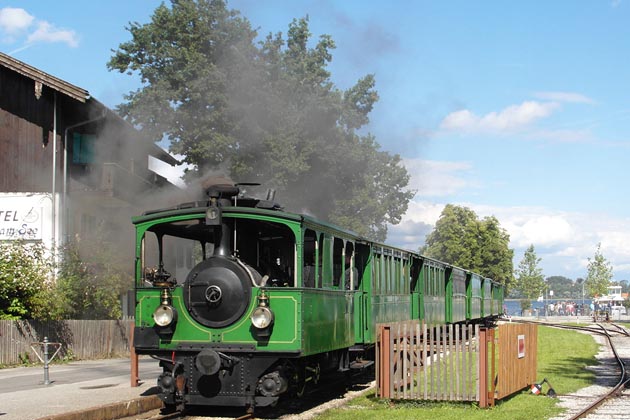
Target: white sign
{"x": 21, "y": 218}
{"x": 521, "y": 346}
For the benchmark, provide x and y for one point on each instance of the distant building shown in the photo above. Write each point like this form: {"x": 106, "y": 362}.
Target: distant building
{"x": 69, "y": 166}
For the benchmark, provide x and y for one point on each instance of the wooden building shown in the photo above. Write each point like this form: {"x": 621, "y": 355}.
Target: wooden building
{"x": 67, "y": 160}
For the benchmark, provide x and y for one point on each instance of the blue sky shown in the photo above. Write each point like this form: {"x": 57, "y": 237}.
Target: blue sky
{"x": 519, "y": 110}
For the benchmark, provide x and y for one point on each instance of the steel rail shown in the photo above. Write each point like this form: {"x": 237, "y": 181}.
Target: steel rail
{"x": 622, "y": 380}
{"x": 601, "y": 331}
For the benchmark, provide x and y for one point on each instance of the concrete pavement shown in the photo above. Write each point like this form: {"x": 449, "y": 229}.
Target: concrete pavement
{"x": 96, "y": 389}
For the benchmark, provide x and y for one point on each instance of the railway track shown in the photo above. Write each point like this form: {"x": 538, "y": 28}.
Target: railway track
{"x": 608, "y": 399}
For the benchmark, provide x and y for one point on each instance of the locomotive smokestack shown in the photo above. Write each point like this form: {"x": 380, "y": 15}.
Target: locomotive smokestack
{"x": 222, "y": 240}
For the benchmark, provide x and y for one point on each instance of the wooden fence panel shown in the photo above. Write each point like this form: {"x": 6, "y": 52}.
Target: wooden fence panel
{"x": 431, "y": 362}
{"x": 517, "y": 344}
{"x": 454, "y": 362}
{"x": 80, "y": 339}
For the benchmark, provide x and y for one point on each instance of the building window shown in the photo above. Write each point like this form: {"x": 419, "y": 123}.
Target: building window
{"x": 83, "y": 148}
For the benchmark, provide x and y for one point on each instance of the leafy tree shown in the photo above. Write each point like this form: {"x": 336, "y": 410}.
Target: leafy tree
{"x": 462, "y": 239}
{"x": 265, "y": 112}
{"x": 91, "y": 281}
{"x": 600, "y": 273}
{"x": 529, "y": 277}
{"x": 563, "y": 287}
{"x": 25, "y": 278}
{"x": 494, "y": 253}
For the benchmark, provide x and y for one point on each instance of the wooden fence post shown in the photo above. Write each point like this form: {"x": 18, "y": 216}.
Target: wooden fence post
{"x": 135, "y": 380}
{"x": 483, "y": 367}
{"x": 493, "y": 384}
{"x": 386, "y": 363}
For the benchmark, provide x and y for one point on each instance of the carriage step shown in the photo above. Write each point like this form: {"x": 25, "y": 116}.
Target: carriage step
{"x": 361, "y": 364}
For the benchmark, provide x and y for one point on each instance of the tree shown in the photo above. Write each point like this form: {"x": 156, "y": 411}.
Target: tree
{"x": 25, "y": 274}
{"x": 600, "y": 273}
{"x": 91, "y": 280}
{"x": 564, "y": 287}
{"x": 495, "y": 255}
{"x": 625, "y": 286}
{"x": 462, "y": 239}
{"x": 265, "y": 112}
{"x": 529, "y": 279}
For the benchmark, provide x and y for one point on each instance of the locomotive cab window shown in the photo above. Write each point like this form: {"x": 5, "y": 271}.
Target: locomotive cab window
{"x": 265, "y": 249}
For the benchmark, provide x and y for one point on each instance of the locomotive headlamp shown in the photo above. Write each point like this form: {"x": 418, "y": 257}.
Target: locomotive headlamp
{"x": 262, "y": 317}
{"x": 213, "y": 216}
{"x": 164, "y": 315}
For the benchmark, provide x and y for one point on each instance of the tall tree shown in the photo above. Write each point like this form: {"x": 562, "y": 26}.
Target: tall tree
{"x": 481, "y": 245}
{"x": 265, "y": 112}
{"x": 600, "y": 273}
{"x": 529, "y": 277}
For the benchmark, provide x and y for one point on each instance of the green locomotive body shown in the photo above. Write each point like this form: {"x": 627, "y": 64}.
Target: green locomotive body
{"x": 242, "y": 303}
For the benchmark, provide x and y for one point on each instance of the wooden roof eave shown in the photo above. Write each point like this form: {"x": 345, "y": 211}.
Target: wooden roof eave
{"x": 37, "y": 75}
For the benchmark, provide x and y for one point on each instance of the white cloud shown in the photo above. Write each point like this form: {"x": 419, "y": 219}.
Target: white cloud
{"x": 46, "y": 32}
{"x": 542, "y": 230}
{"x": 570, "y": 97}
{"x": 512, "y": 118}
{"x": 438, "y": 178}
{"x": 16, "y": 23}
{"x": 13, "y": 22}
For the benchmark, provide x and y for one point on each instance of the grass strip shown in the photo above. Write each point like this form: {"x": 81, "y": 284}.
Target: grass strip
{"x": 563, "y": 356}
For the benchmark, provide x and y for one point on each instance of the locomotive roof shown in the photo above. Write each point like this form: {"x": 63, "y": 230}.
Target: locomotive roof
{"x": 200, "y": 207}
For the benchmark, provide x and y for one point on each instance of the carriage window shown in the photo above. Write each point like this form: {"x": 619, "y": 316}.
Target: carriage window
{"x": 381, "y": 275}
{"x": 375, "y": 274}
{"x": 386, "y": 273}
{"x": 397, "y": 275}
{"x": 351, "y": 274}
{"x": 310, "y": 256}
{"x": 326, "y": 260}
{"x": 361, "y": 256}
{"x": 337, "y": 261}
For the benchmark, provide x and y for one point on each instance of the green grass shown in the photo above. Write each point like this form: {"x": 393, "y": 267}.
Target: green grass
{"x": 562, "y": 358}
